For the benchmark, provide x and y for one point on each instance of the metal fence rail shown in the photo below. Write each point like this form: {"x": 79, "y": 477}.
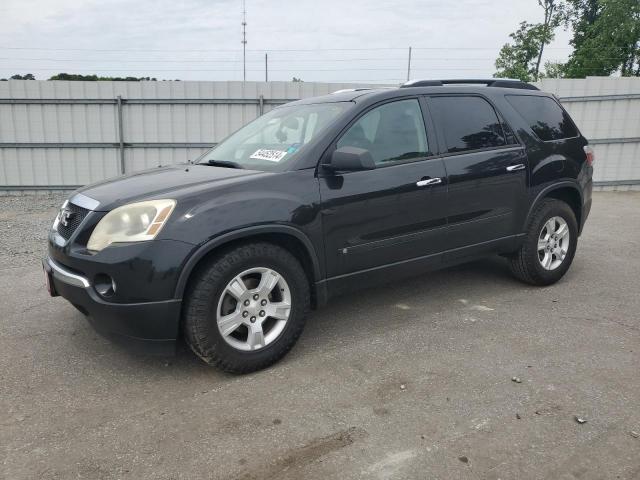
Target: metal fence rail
{"x": 59, "y": 136}
{"x": 120, "y": 144}
{"x": 58, "y": 133}
{"x": 607, "y": 110}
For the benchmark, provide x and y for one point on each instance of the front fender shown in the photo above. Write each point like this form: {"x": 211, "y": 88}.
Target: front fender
{"x": 246, "y": 232}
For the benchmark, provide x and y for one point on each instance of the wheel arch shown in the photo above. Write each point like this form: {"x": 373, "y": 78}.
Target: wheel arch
{"x": 292, "y": 239}
{"x": 567, "y": 192}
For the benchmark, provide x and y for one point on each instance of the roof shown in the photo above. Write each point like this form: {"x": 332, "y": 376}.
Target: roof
{"x": 382, "y": 93}
{"x": 489, "y": 82}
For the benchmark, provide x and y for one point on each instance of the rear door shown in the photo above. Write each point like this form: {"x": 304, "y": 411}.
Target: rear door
{"x": 395, "y": 212}
{"x": 486, "y": 169}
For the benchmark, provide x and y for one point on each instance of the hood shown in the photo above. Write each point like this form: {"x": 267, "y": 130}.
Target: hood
{"x": 164, "y": 182}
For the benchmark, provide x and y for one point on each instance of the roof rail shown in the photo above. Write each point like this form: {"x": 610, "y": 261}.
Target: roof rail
{"x": 489, "y": 82}
{"x": 359, "y": 89}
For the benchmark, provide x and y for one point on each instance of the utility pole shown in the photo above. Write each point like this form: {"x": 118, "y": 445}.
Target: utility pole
{"x": 409, "y": 66}
{"x": 244, "y": 41}
{"x": 266, "y": 68}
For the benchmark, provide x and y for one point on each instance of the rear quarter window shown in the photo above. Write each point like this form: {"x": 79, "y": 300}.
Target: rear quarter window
{"x": 545, "y": 117}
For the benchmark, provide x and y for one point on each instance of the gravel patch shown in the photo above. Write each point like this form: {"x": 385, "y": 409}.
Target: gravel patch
{"x": 24, "y": 223}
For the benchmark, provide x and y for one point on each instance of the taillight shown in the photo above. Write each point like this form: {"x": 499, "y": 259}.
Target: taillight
{"x": 590, "y": 155}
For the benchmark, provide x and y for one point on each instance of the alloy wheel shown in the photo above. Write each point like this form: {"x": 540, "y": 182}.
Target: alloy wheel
{"x": 553, "y": 243}
{"x": 254, "y": 308}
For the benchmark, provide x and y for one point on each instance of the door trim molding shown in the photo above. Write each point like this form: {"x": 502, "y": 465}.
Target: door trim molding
{"x": 391, "y": 241}
{"x": 444, "y": 253}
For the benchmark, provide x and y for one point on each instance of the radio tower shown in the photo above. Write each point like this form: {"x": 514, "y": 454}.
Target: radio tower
{"x": 244, "y": 41}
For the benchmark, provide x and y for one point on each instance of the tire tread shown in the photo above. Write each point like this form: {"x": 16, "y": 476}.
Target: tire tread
{"x": 196, "y": 317}
{"x": 522, "y": 263}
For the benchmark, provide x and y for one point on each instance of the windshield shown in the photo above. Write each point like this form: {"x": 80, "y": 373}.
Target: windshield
{"x": 275, "y": 138}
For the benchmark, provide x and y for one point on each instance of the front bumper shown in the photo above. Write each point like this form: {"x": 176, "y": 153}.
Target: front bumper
{"x": 148, "y": 326}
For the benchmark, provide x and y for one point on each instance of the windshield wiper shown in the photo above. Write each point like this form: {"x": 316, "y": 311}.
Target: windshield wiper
{"x": 224, "y": 163}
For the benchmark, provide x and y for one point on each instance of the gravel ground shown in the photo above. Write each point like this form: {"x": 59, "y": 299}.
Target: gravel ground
{"x": 24, "y": 221}
{"x": 408, "y": 381}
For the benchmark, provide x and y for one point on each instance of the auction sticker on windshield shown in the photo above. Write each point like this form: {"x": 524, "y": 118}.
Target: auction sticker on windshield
{"x": 271, "y": 155}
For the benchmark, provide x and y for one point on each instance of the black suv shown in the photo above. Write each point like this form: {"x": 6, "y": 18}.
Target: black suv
{"x": 316, "y": 198}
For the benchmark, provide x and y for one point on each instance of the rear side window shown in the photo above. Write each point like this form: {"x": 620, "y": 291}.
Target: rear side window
{"x": 468, "y": 123}
{"x": 545, "y": 117}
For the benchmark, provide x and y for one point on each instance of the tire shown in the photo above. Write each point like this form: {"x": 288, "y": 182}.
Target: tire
{"x": 209, "y": 291}
{"x": 526, "y": 263}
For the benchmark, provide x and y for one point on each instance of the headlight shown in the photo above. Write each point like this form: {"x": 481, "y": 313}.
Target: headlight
{"x": 135, "y": 222}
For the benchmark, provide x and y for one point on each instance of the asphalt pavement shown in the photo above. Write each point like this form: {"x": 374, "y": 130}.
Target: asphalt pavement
{"x": 414, "y": 380}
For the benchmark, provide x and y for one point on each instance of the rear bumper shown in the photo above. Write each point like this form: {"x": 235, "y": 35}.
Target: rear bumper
{"x": 587, "y": 191}
{"x": 149, "y": 326}
{"x": 586, "y": 209}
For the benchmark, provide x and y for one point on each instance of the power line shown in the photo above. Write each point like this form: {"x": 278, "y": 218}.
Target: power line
{"x": 131, "y": 71}
{"x": 497, "y": 47}
{"x": 260, "y": 61}
{"x": 293, "y": 70}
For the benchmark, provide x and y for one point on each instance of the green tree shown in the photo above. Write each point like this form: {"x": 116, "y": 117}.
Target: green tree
{"x": 522, "y": 57}
{"x": 518, "y": 59}
{"x": 26, "y": 76}
{"x": 553, "y": 70}
{"x": 606, "y": 38}
{"x": 94, "y": 78}
{"x": 552, "y": 19}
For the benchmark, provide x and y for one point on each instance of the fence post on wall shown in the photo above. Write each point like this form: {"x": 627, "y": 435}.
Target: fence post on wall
{"x": 120, "y": 134}
{"x": 261, "y": 104}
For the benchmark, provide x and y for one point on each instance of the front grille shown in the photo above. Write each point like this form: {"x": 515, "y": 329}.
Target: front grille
{"x": 75, "y": 217}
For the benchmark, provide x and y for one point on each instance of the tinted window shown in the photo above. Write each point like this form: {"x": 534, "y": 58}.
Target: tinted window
{"x": 468, "y": 123}
{"x": 544, "y": 116}
{"x": 393, "y": 132}
{"x": 508, "y": 133}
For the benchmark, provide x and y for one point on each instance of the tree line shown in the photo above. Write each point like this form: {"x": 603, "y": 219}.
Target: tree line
{"x": 74, "y": 76}
{"x": 95, "y": 78}
{"x": 605, "y": 40}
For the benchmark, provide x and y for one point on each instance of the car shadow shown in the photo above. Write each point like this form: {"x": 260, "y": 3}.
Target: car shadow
{"x": 436, "y": 291}
{"x": 344, "y": 315}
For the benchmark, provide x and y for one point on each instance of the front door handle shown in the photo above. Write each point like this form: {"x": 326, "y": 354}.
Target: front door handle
{"x": 514, "y": 168}
{"x": 429, "y": 181}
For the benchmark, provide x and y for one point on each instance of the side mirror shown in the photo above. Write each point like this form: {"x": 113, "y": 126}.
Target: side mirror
{"x": 348, "y": 159}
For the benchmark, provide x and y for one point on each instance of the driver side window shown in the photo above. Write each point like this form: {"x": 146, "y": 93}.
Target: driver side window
{"x": 393, "y": 132}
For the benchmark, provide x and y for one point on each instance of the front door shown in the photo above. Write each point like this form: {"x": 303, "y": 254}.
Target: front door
{"x": 486, "y": 169}
{"x": 395, "y": 212}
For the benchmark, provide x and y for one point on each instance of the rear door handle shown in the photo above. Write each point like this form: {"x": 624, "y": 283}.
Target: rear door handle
{"x": 429, "y": 181}
{"x": 514, "y": 168}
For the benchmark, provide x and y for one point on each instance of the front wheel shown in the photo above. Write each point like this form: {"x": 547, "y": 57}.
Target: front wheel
{"x": 549, "y": 246}
{"x": 247, "y": 307}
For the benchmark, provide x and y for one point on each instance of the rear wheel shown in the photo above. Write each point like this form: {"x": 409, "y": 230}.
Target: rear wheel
{"x": 549, "y": 246}
{"x": 247, "y": 307}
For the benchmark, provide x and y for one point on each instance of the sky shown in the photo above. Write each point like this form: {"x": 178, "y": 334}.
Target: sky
{"x": 328, "y": 40}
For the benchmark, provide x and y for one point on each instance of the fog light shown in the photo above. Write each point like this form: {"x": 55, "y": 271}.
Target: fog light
{"x": 104, "y": 285}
